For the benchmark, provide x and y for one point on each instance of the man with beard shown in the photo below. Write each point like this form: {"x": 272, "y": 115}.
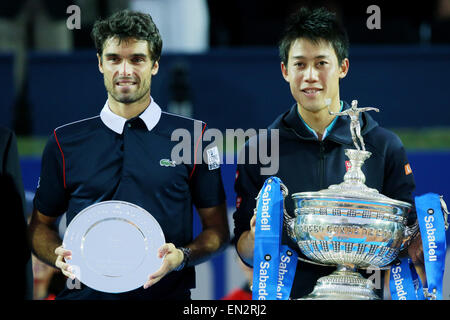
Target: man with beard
{"x": 124, "y": 154}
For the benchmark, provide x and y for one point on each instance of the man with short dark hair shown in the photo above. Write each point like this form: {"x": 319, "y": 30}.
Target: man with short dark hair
{"x": 312, "y": 141}
{"x": 119, "y": 155}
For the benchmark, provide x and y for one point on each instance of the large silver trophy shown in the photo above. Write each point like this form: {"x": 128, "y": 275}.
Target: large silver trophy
{"x": 349, "y": 225}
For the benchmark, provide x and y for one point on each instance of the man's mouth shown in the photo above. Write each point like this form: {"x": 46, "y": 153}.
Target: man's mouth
{"x": 311, "y": 92}
{"x": 125, "y": 83}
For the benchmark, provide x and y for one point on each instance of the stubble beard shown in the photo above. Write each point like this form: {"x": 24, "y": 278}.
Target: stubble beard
{"x": 128, "y": 98}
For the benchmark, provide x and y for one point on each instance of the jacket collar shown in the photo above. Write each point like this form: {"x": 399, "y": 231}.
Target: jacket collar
{"x": 339, "y": 132}
{"x": 150, "y": 116}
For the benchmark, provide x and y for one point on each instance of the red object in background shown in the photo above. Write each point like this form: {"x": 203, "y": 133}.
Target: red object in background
{"x": 243, "y": 293}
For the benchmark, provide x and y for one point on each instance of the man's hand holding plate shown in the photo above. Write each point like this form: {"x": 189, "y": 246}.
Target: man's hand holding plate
{"x": 64, "y": 255}
{"x": 173, "y": 257}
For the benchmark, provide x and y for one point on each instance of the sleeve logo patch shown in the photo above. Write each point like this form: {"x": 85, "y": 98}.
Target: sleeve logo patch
{"x": 213, "y": 158}
{"x": 408, "y": 169}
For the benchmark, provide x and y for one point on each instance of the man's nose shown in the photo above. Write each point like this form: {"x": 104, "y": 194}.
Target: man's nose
{"x": 311, "y": 74}
{"x": 125, "y": 68}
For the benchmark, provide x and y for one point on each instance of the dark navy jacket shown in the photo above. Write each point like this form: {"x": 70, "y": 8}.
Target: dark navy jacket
{"x": 306, "y": 164}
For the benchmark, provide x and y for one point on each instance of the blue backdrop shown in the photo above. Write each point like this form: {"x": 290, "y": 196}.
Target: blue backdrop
{"x": 245, "y": 89}
{"x": 7, "y": 90}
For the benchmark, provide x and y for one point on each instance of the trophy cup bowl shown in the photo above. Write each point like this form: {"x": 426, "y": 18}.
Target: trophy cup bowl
{"x": 350, "y": 226}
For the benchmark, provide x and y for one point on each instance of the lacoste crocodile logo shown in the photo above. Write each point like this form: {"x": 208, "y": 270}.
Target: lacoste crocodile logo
{"x": 167, "y": 163}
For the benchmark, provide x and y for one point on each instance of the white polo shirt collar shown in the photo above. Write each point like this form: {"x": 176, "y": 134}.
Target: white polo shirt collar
{"x": 150, "y": 116}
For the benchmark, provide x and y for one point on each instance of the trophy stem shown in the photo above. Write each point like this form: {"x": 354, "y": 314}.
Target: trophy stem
{"x": 343, "y": 284}
{"x": 354, "y": 178}
{"x": 343, "y": 269}
{"x": 355, "y": 175}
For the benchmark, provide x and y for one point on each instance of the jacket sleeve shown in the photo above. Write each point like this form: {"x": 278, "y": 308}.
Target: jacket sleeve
{"x": 399, "y": 181}
{"x": 51, "y": 196}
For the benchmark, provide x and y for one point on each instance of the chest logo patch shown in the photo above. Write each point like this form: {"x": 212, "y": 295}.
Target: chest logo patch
{"x": 167, "y": 163}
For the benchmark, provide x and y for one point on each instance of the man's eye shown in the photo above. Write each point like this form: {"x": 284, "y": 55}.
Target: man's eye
{"x": 137, "y": 60}
{"x": 322, "y": 63}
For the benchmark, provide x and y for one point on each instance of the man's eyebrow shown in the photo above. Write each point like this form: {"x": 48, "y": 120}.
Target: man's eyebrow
{"x": 132, "y": 55}
{"x": 139, "y": 55}
{"x": 321, "y": 56}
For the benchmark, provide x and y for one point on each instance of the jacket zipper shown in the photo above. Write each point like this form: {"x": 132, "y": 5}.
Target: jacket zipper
{"x": 321, "y": 166}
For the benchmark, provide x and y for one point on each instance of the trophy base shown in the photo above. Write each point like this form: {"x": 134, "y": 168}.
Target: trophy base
{"x": 343, "y": 284}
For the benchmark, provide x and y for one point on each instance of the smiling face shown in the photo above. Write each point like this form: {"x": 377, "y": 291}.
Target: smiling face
{"x": 313, "y": 73}
{"x": 127, "y": 70}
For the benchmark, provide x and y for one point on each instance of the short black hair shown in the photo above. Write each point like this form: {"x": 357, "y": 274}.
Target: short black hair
{"x": 124, "y": 25}
{"x": 315, "y": 25}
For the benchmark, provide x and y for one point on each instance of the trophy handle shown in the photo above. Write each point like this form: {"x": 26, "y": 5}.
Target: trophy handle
{"x": 444, "y": 211}
{"x": 288, "y": 221}
{"x": 411, "y": 232}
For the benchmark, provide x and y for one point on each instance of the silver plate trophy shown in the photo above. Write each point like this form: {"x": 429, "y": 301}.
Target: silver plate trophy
{"x": 350, "y": 226}
{"x": 114, "y": 246}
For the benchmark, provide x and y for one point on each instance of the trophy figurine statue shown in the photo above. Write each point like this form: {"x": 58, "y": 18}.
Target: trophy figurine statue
{"x": 349, "y": 225}
{"x": 355, "y": 128}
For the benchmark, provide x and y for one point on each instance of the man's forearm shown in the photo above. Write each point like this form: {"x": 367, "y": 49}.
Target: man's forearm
{"x": 44, "y": 240}
{"x": 214, "y": 236}
{"x": 208, "y": 243}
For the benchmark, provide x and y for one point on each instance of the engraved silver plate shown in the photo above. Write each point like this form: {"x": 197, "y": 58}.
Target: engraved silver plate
{"x": 114, "y": 246}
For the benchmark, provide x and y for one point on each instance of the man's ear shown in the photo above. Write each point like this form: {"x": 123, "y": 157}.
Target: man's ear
{"x": 284, "y": 71}
{"x": 344, "y": 68}
{"x": 100, "y": 63}
{"x": 155, "y": 68}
